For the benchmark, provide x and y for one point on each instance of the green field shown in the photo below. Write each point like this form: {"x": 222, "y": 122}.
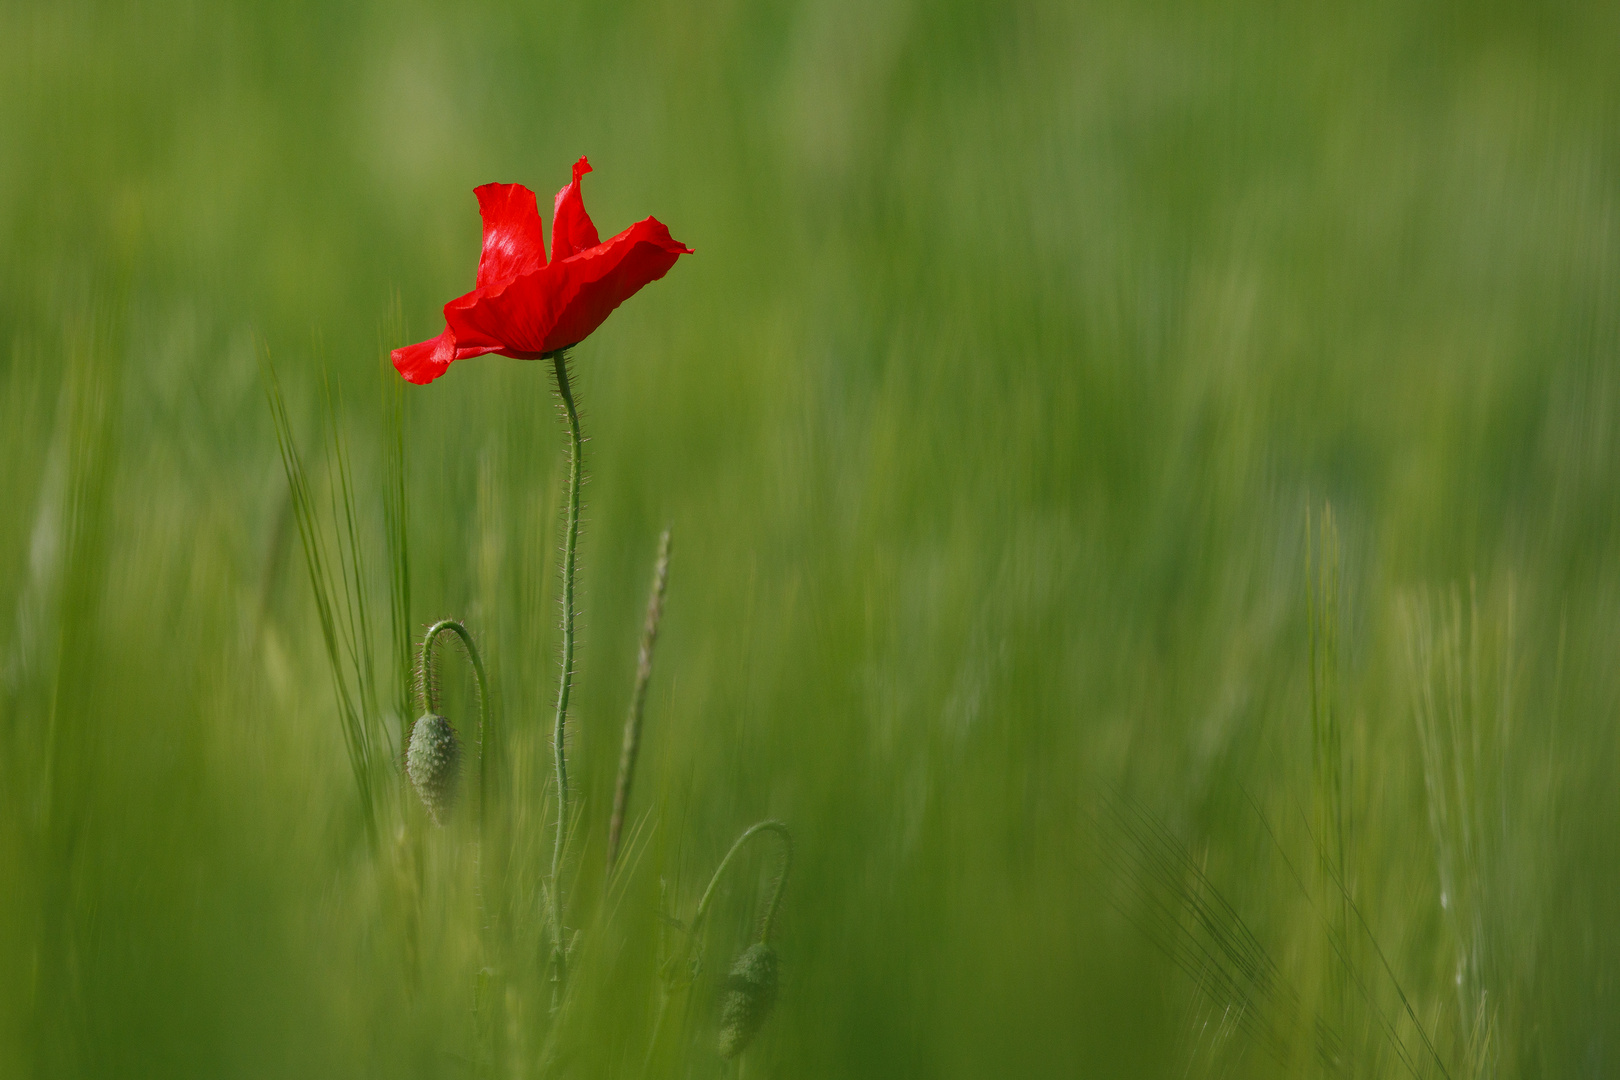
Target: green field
{"x": 1145, "y": 494}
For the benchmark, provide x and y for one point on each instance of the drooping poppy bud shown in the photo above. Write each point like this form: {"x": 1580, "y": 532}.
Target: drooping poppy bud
{"x": 749, "y": 994}
{"x": 433, "y": 763}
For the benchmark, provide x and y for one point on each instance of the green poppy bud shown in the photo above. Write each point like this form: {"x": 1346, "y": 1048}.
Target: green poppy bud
{"x": 433, "y": 763}
{"x": 749, "y": 993}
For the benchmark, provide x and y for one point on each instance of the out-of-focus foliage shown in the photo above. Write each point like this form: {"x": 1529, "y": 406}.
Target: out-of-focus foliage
{"x": 1019, "y": 342}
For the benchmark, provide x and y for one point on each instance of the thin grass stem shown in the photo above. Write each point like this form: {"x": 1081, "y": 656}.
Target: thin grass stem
{"x": 338, "y": 637}
{"x": 638, "y": 700}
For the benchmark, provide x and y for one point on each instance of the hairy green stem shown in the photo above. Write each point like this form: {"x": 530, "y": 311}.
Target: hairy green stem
{"x": 768, "y": 825}
{"x": 565, "y": 683}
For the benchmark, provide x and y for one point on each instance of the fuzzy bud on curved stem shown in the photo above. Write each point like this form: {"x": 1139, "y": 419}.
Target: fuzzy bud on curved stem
{"x": 433, "y": 763}
{"x": 749, "y": 995}
{"x": 750, "y": 987}
{"x": 428, "y": 744}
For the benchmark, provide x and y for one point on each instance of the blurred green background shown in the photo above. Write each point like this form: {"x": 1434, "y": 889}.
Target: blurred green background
{"x": 1025, "y": 351}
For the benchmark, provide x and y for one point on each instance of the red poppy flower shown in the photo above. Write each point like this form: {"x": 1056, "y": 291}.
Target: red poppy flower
{"x": 524, "y": 307}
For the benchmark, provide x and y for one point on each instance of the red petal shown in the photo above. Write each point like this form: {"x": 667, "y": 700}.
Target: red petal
{"x": 596, "y": 281}
{"x": 514, "y": 242}
{"x": 571, "y": 228}
{"x": 427, "y": 360}
{"x": 514, "y": 321}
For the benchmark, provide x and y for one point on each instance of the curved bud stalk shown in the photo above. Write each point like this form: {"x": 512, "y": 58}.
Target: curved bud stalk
{"x": 768, "y": 825}
{"x": 433, "y": 760}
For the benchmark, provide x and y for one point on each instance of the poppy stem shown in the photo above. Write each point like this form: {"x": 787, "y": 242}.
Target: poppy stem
{"x": 768, "y": 825}
{"x": 565, "y": 684}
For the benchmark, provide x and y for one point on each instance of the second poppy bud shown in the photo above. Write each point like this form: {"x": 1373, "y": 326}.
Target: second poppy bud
{"x": 433, "y": 763}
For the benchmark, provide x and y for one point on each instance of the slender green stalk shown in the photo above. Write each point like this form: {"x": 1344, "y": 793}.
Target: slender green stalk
{"x": 638, "y": 700}
{"x": 559, "y": 728}
{"x": 768, "y": 825}
{"x": 395, "y": 516}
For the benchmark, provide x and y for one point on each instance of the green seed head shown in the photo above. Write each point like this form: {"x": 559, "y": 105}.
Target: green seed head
{"x": 433, "y": 763}
{"x": 749, "y": 993}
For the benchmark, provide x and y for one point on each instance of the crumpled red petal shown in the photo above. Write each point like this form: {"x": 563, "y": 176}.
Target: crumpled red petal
{"x": 514, "y": 240}
{"x": 513, "y": 322}
{"x": 572, "y": 230}
{"x": 600, "y": 279}
{"x": 427, "y": 360}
